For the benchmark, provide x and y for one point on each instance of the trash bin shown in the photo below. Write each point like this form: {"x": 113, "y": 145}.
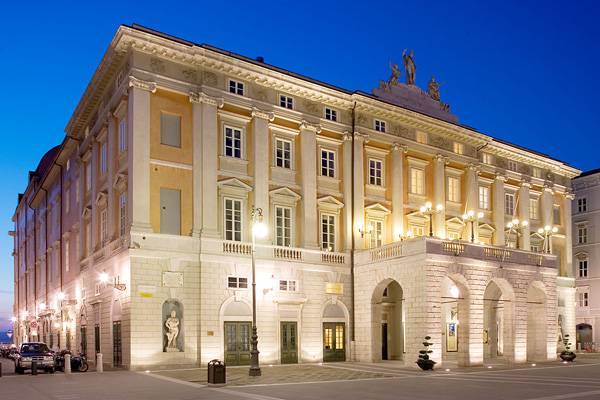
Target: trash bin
{"x": 216, "y": 372}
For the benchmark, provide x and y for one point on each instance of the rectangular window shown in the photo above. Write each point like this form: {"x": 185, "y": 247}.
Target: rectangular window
{"x": 417, "y": 181}
{"x": 83, "y": 337}
{"x": 583, "y": 299}
{"x": 512, "y": 165}
{"x": 233, "y": 142}
{"x": 380, "y": 125}
{"x": 286, "y": 102}
{"x": 97, "y": 338}
{"x": 122, "y": 136}
{"x": 536, "y": 172}
{"x": 328, "y": 232}
{"x": 283, "y": 226}
{"x": 509, "y": 204}
{"x": 375, "y": 172}
{"x": 88, "y": 176}
{"x": 67, "y": 256}
{"x": 453, "y": 189}
{"x": 486, "y": 158}
{"x": 287, "y": 285}
{"x": 233, "y": 220}
{"x": 122, "y": 213}
{"x": 582, "y": 205}
{"x": 583, "y": 268}
{"x": 330, "y": 114}
{"x": 236, "y": 282}
{"x": 376, "y": 233}
{"x": 533, "y": 209}
{"x": 328, "y": 163}
{"x": 103, "y": 158}
{"x": 236, "y": 87}
{"x": 170, "y": 130}
{"x": 97, "y": 289}
{"x": 421, "y": 137}
{"x": 283, "y": 153}
{"x": 459, "y": 148}
{"x": 581, "y": 234}
{"x": 536, "y": 248}
{"x": 556, "y": 215}
{"x": 484, "y": 197}
{"x": 103, "y": 226}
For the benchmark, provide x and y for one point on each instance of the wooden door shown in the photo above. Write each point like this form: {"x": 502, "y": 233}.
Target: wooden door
{"x": 289, "y": 342}
{"x": 237, "y": 343}
{"x": 334, "y": 345}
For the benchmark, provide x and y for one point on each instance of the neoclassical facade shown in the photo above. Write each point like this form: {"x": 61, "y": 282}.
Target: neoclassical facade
{"x": 387, "y": 221}
{"x": 586, "y": 258}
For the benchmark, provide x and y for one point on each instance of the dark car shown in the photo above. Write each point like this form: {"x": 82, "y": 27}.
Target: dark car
{"x": 34, "y": 351}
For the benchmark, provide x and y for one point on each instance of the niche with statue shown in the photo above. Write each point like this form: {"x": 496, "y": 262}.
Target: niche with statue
{"x": 172, "y": 317}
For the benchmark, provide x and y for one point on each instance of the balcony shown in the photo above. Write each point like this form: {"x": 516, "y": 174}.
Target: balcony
{"x": 455, "y": 248}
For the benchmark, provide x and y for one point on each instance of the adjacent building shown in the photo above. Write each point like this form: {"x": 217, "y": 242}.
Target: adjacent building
{"x": 586, "y": 257}
{"x": 388, "y": 221}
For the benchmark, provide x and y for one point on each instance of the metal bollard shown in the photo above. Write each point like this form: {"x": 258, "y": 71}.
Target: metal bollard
{"x": 67, "y": 364}
{"x": 34, "y": 368}
{"x": 99, "y": 366}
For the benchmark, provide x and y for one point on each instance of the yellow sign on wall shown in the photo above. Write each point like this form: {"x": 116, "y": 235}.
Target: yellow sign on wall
{"x": 334, "y": 288}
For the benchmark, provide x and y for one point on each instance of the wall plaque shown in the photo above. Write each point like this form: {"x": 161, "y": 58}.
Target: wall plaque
{"x": 334, "y": 288}
{"x": 172, "y": 279}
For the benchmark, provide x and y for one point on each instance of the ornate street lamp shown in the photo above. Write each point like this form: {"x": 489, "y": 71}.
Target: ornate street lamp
{"x": 547, "y": 231}
{"x": 515, "y": 227}
{"x": 471, "y": 217}
{"x": 428, "y": 210}
{"x": 258, "y": 229}
{"x": 104, "y": 279}
{"x": 405, "y": 236}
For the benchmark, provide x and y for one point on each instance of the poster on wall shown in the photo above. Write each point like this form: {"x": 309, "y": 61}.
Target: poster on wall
{"x": 451, "y": 337}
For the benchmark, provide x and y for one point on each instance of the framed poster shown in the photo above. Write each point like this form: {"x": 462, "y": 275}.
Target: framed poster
{"x": 451, "y": 337}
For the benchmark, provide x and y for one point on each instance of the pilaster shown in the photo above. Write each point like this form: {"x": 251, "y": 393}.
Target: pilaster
{"x": 308, "y": 149}
{"x": 472, "y": 196}
{"x": 359, "y": 188}
{"x": 546, "y": 208}
{"x": 112, "y": 156}
{"x": 398, "y": 152}
{"x": 439, "y": 194}
{"x": 260, "y": 123}
{"x": 498, "y": 210}
{"x": 567, "y": 262}
{"x": 347, "y": 182}
{"x": 523, "y": 208}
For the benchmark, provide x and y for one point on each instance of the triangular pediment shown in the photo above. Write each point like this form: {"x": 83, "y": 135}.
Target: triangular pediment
{"x": 120, "y": 181}
{"x": 536, "y": 236}
{"x": 377, "y": 208}
{"x": 486, "y": 227}
{"x": 417, "y": 217}
{"x": 234, "y": 183}
{"x": 330, "y": 202}
{"x": 284, "y": 191}
{"x": 455, "y": 222}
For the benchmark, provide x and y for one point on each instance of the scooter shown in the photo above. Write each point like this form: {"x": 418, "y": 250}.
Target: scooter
{"x": 78, "y": 363}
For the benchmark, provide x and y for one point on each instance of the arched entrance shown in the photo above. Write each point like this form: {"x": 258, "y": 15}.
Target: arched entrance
{"x": 585, "y": 337}
{"x": 387, "y": 321}
{"x": 237, "y": 329}
{"x": 334, "y": 333}
{"x": 455, "y": 319}
{"x": 537, "y": 338}
{"x": 498, "y": 311}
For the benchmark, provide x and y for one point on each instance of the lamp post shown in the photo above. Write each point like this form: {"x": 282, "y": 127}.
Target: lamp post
{"x": 428, "y": 210}
{"x": 260, "y": 230}
{"x": 471, "y": 217}
{"x": 547, "y": 231}
{"x": 515, "y": 226}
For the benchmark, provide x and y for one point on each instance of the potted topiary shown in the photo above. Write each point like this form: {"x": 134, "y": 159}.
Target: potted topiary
{"x": 424, "y": 362}
{"x": 567, "y": 354}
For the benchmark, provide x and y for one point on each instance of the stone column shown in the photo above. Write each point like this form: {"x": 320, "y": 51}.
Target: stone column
{"x": 261, "y": 167}
{"x": 472, "y": 198}
{"x": 398, "y": 190}
{"x": 498, "y": 210}
{"x": 568, "y": 230}
{"x": 523, "y": 209}
{"x": 546, "y": 209}
{"x": 138, "y": 155}
{"x": 439, "y": 194}
{"x": 95, "y": 236}
{"x": 197, "y": 163}
{"x": 308, "y": 149}
{"x": 208, "y": 137}
{"x": 112, "y": 159}
{"x": 359, "y": 188}
{"x": 347, "y": 182}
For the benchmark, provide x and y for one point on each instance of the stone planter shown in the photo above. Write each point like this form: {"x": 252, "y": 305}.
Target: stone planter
{"x": 426, "y": 365}
{"x": 568, "y": 356}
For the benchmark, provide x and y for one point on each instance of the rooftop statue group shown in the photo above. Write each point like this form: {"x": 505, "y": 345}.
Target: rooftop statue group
{"x": 410, "y": 68}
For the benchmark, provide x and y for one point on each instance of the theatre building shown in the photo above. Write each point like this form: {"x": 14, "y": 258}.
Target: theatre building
{"x": 387, "y": 221}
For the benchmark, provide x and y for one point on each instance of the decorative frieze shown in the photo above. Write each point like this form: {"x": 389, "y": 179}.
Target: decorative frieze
{"x": 141, "y": 84}
{"x": 200, "y": 97}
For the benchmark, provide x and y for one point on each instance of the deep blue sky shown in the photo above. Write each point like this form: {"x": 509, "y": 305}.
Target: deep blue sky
{"x": 518, "y": 70}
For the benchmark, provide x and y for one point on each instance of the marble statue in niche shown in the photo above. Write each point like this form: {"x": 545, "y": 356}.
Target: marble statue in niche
{"x": 173, "y": 326}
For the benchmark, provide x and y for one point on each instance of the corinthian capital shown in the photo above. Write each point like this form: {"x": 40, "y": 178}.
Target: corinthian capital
{"x": 200, "y": 97}
{"x": 140, "y": 84}
{"x": 305, "y": 125}
{"x": 258, "y": 113}
{"x": 399, "y": 147}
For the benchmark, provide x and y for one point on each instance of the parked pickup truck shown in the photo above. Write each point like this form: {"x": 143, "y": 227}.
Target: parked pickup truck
{"x": 34, "y": 351}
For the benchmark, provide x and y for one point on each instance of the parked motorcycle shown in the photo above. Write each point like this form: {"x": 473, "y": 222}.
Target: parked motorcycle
{"x": 78, "y": 363}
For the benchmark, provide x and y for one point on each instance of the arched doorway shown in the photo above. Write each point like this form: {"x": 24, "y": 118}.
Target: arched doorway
{"x": 498, "y": 306}
{"x": 584, "y": 337}
{"x": 455, "y": 319}
{"x": 537, "y": 338}
{"x": 334, "y": 333}
{"x": 387, "y": 321}
{"x": 237, "y": 329}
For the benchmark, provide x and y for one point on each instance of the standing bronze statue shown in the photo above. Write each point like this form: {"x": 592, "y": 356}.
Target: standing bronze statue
{"x": 409, "y": 66}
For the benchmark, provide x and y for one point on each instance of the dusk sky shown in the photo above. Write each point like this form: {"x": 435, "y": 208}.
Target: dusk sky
{"x": 522, "y": 71}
